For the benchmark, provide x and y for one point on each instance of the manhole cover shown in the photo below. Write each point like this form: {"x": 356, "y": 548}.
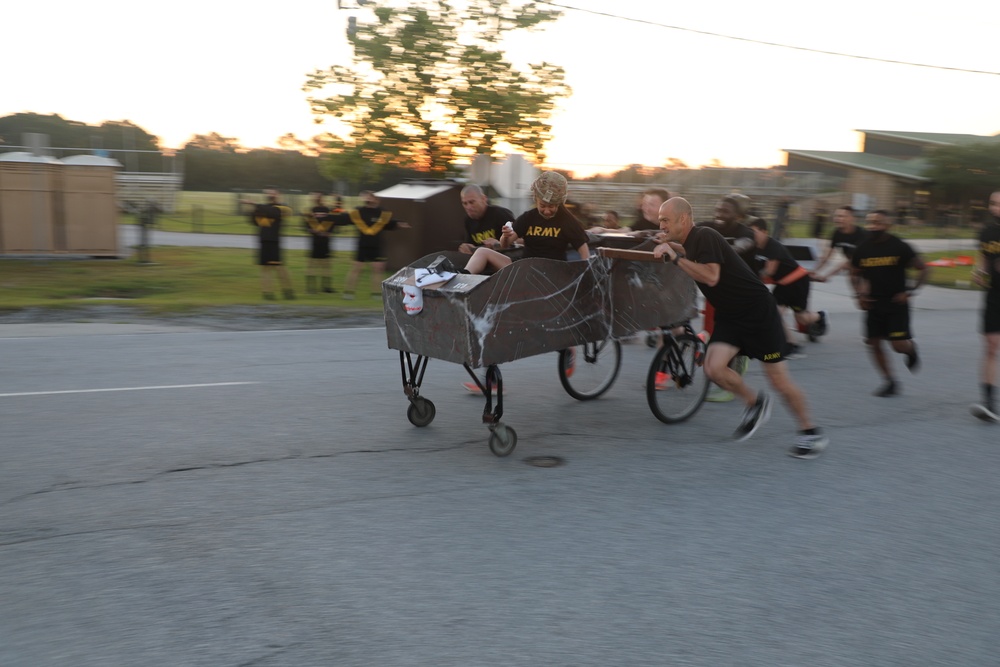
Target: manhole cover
{"x": 544, "y": 461}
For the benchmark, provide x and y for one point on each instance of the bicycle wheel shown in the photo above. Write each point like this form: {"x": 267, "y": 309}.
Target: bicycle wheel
{"x": 587, "y": 371}
{"x": 676, "y": 383}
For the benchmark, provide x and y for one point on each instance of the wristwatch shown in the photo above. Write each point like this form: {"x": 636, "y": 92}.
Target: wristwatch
{"x": 677, "y": 257}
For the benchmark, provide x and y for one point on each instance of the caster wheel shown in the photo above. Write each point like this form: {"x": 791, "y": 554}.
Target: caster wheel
{"x": 503, "y": 440}
{"x": 421, "y": 412}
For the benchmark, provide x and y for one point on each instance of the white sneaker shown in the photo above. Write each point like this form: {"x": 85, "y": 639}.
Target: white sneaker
{"x": 984, "y": 413}
{"x": 808, "y": 446}
{"x": 754, "y": 417}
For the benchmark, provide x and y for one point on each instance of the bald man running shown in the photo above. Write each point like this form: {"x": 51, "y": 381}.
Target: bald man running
{"x": 746, "y": 320}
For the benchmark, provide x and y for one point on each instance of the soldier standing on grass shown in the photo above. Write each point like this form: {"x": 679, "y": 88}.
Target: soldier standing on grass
{"x": 267, "y": 219}
{"x": 319, "y": 224}
{"x": 371, "y": 222}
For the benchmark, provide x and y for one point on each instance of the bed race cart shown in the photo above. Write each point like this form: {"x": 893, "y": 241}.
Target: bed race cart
{"x": 579, "y": 309}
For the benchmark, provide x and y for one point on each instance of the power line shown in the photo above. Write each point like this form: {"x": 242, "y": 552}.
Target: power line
{"x": 763, "y": 43}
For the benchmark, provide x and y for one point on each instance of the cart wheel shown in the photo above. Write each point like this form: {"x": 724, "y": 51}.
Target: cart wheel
{"x": 587, "y": 371}
{"x": 682, "y": 391}
{"x": 421, "y": 411}
{"x": 503, "y": 440}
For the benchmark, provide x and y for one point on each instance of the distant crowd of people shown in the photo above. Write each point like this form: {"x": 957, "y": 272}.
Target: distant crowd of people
{"x": 319, "y": 221}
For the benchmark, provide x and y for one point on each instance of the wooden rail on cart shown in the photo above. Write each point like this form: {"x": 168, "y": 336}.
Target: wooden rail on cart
{"x": 634, "y": 255}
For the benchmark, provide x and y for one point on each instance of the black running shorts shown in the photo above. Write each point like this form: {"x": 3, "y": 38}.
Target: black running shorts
{"x": 794, "y": 296}
{"x": 270, "y": 254}
{"x": 761, "y": 336}
{"x": 887, "y": 319}
{"x": 369, "y": 254}
{"x": 991, "y": 314}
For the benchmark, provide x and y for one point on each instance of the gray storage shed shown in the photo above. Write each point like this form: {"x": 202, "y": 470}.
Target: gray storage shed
{"x": 433, "y": 208}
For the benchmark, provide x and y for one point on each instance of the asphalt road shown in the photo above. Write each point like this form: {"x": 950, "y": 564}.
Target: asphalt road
{"x": 183, "y": 497}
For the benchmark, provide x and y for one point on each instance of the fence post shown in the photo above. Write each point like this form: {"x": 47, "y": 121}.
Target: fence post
{"x": 197, "y": 218}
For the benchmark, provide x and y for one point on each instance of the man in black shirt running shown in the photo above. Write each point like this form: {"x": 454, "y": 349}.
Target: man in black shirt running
{"x": 791, "y": 285}
{"x": 846, "y": 237}
{"x": 746, "y": 319}
{"x": 878, "y": 272}
{"x": 987, "y": 275}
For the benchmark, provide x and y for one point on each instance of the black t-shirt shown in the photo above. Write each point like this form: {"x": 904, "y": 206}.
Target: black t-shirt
{"x": 549, "y": 238}
{"x": 372, "y": 225}
{"x": 739, "y": 292}
{"x": 883, "y": 264}
{"x": 733, "y": 232}
{"x": 490, "y": 226}
{"x": 847, "y": 241}
{"x": 989, "y": 245}
{"x": 267, "y": 219}
{"x": 774, "y": 249}
{"x": 319, "y": 220}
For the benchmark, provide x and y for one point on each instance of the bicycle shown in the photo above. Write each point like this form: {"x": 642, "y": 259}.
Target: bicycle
{"x": 679, "y": 367}
{"x": 588, "y": 370}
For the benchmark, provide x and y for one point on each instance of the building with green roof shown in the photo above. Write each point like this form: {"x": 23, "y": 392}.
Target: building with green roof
{"x": 888, "y": 173}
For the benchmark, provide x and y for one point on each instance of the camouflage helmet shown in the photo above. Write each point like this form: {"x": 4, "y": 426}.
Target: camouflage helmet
{"x": 550, "y": 188}
{"x": 741, "y": 202}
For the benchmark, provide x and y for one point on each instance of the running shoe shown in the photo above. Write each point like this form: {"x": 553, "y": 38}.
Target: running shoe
{"x": 808, "y": 446}
{"x": 795, "y": 352}
{"x": 662, "y": 381}
{"x": 913, "y": 360}
{"x": 754, "y": 417}
{"x": 473, "y": 388}
{"x": 985, "y": 412}
{"x": 718, "y": 395}
{"x": 570, "y": 362}
{"x": 822, "y": 325}
{"x": 888, "y": 389}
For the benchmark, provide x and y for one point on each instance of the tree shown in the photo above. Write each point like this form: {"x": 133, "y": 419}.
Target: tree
{"x": 114, "y": 134}
{"x": 213, "y": 141}
{"x": 428, "y": 85}
{"x": 962, "y": 173}
{"x": 351, "y": 165}
{"x": 62, "y": 133}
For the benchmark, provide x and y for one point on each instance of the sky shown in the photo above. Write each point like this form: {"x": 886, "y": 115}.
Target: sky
{"x": 642, "y": 93}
